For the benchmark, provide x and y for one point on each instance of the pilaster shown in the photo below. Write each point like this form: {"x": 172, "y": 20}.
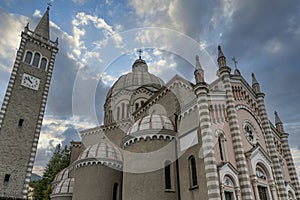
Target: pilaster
{"x": 201, "y": 90}
{"x": 277, "y": 170}
{"x": 244, "y": 178}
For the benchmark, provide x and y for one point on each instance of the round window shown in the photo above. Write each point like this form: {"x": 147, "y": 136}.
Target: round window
{"x": 250, "y": 132}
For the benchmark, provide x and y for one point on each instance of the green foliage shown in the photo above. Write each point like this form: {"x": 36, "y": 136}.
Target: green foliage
{"x": 59, "y": 160}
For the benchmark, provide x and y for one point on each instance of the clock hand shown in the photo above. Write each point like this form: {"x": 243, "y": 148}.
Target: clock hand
{"x": 29, "y": 80}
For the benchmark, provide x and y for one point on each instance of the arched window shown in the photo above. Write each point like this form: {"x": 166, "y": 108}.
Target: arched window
{"x": 36, "y": 59}
{"x": 28, "y": 57}
{"x": 118, "y": 113}
{"x": 222, "y": 146}
{"x": 193, "y": 171}
{"x": 136, "y": 106}
{"x": 43, "y": 63}
{"x": 168, "y": 174}
{"x": 127, "y": 110}
{"x": 123, "y": 110}
{"x": 115, "y": 191}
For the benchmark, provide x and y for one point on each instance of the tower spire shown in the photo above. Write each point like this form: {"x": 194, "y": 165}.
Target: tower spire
{"x": 199, "y": 72}
{"x": 42, "y": 29}
{"x": 255, "y": 84}
{"x": 221, "y": 58}
{"x": 278, "y": 123}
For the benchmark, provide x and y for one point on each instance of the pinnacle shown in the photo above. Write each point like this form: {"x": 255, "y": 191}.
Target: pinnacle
{"x": 42, "y": 29}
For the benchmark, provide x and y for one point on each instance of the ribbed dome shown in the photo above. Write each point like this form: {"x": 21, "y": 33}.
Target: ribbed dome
{"x": 158, "y": 122}
{"x": 138, "y": 77}
{"x": 63, "y": 174}
{"x": 102, "y": 151}
{"x": 64, "y": 187}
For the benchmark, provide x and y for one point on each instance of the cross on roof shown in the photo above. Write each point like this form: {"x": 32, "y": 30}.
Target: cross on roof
{"x": 235, "y": 62}
{"x": 49, "y": 5}
{"x": 140, "y": 51}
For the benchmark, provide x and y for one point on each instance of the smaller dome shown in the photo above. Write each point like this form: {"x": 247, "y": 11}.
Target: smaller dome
{"x": 64, "y": 187}
{"x": 102, "y": 151}
{"x": 154, "y": 122}
{"x": 63, "y": 174}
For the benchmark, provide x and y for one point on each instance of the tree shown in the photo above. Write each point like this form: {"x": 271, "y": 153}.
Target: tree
{"x": 59, "y": 160}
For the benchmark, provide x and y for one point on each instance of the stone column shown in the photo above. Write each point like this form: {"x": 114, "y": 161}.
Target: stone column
{"x": 237, "y": 193}
{"x": 273, "y": 189}
{"x": 201, "y": 90}
{"x": 244, "y": 178}
{"x": 254, "y": 183}
{"x": 222, "y": 192}
{"x": 271, "y": 147}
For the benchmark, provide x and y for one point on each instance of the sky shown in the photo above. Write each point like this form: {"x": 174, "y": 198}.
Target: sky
{"x": 99, "y": 39}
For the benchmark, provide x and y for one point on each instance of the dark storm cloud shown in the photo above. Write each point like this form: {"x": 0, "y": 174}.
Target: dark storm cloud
{"x": 263, "y": 36}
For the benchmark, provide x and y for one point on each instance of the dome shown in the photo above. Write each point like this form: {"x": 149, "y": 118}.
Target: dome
{"x": 64, "y": 187}
{"x": 158, "y": 122}
{"x": 63, "y": 174}
{"x": 104, "y": 153}
{"x": 138, "y": 77}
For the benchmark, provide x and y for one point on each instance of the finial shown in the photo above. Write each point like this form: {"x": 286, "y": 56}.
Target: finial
{"x": 49, "y": 5}
{"x": 221, "y": 58}
{"x": 56, "y": 41}
{"x": 255, "y": 84}
{"x": 140, "y": 51}
{"x": 26, "y": 27}
{"x": 278, "y": 123}
{"x": 199, "y": 72}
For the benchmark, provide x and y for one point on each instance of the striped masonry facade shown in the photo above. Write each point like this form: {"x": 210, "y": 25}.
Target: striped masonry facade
{"x": 12, "y": 80}
{"x": 277, "y": 170}
{"x": 208, "y": 144}
{"x": 244, "y": 178}
{"x": 291, "y": 166}
{"x": 39, "y": 123}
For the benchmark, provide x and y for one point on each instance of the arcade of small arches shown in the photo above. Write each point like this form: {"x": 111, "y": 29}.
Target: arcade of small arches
{"x": 36, "y": 59}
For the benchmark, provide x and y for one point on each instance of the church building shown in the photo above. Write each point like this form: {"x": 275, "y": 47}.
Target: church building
{"x": 179, "y": 140}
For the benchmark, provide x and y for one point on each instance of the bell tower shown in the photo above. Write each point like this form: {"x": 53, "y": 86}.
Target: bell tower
{"x": 23, "y": 108}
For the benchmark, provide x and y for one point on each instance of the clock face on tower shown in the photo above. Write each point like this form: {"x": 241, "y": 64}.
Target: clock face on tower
{"x": 30, "y": 81}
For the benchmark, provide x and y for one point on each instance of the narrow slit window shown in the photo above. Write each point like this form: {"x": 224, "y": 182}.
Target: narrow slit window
{"x": 193, "y": 171}
{"x": 21, "y": 122}
{"x": 115, "y": 191}
{"x": 36, "y": 59}
{"x": 168, "y": 175}
{"x": 221, "y": 149}
{"x": 6, "y": 178}
{"x": 28, "y": 57}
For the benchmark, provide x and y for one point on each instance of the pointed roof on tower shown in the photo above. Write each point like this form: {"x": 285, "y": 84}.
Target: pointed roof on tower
{"x": 199, "y": 72}
{"x": 198, "y": 65}
{"x": 255, "y": 84}
{"x": 277, "y": 119}
{"x": 221, "y": 58}
{"x": 254, "y": 81}
{"x": 278, "y": 123}
{"x": 42, "y": 29}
